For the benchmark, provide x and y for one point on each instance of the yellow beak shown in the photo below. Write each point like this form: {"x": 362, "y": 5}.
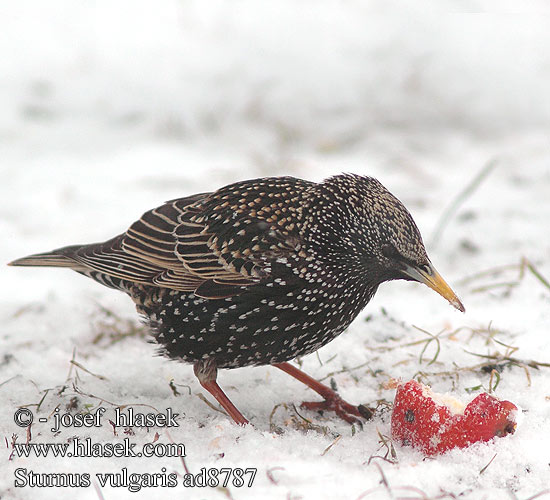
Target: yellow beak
{"x": 434, "y": 280}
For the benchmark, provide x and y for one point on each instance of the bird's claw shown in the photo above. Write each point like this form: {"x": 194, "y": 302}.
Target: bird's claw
{"x": 346, "y": 411}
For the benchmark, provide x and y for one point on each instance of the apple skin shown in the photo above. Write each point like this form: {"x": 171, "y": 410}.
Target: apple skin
{"x": 419, "y": 421}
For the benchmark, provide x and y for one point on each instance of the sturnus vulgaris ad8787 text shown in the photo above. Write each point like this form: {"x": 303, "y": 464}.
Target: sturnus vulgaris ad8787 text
{"x": 259, "y": 272}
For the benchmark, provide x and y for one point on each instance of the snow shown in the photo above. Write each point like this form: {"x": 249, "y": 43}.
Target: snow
{"x": 108, "y": 109}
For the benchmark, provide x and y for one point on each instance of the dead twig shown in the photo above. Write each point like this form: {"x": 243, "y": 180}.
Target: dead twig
{"x": 331, "y": 445}
{"x": 78, "y": 365}
{"x": 433, "y": 337}
{"x": 525, "y": 263}
{"x": 214, "y": 407}
{"x": 459, "y": 199}
{"x": 490, "y": 462}
{"x": 270, "y": 476}
{"x": 343, "y": 370}
{"x": 539, "y": 494}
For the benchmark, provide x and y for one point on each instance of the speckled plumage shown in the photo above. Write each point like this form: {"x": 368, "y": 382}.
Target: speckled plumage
{"x": 295, "y": 266}
{"x": 257, "y": 272}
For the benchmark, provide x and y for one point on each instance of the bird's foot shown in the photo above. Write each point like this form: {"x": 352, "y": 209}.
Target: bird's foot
{"x": 332, "y": 401}
{"x": 344, "y": 410}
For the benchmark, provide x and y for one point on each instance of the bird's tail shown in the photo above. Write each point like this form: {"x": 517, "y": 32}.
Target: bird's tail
{"x": 55, "y": 258}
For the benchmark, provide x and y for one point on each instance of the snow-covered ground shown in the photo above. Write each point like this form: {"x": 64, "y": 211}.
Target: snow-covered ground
{"x": 110, "y": 108}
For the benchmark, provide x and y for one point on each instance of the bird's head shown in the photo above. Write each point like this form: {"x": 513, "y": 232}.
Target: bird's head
{"x": 371, "y": 231}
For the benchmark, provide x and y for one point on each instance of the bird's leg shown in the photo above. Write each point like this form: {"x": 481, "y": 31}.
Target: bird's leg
{"x": 207, "y": 372}
{"x": 333, "y": 401}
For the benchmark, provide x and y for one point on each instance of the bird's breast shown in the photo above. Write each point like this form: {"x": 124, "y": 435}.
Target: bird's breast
{"x": 290, "y": 315}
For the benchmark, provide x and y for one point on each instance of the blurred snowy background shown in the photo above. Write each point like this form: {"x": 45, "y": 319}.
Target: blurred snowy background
{"x": 110, "y": 108}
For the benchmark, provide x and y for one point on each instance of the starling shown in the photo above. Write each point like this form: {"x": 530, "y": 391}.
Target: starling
{"x": 259, "y": 272}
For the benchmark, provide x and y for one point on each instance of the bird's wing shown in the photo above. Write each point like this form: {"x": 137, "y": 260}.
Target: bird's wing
{"x": 201, "y": 243}
{"x": 233, "y": 236}
{"x": 144, "y": 254}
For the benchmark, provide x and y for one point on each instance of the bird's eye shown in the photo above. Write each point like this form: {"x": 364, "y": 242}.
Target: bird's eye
{"x": 389, "y": 251}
